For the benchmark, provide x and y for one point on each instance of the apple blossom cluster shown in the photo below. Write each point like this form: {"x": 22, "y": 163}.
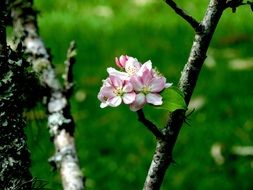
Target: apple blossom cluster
{"x": 136, "y": 84}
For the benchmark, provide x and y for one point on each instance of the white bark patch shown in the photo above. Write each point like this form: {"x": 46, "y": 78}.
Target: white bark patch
{"x": 71, "y": 174}
{"x": 64, "y": 141}
{"x": 55, "y": 120}
{"x": 66, "y": 155}
{"x": 35, "y": 46}
{"x": 49, "y": 78}
{"x": 56, "y": 105}
{"x": 40, "y": 65}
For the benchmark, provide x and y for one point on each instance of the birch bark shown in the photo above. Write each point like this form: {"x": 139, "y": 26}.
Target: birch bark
{"x": 60, "y": 122}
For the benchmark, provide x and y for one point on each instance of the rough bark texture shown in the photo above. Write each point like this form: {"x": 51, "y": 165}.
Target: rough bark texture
{"x": 3, "y": 32}
{"x": 60, "y": 122}
{"x": 163, "y": 154}
{"x": 14, "y": 155}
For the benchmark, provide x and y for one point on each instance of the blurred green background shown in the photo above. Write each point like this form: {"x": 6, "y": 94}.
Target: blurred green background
{"x": 115, "y": 150}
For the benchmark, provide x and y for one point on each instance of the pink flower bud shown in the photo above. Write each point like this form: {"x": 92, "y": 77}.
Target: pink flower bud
{"x": 121, "y": 61}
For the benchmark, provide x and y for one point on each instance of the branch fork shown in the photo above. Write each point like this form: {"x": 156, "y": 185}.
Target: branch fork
{"x": 149, "y": 125}
{"x": 203, "y": 34}
{"x": 197, "y": 26}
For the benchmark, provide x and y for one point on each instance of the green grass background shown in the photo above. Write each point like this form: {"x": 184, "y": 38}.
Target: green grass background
{"x": 115, "y": 150}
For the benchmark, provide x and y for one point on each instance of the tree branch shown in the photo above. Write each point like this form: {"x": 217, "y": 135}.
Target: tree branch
{"x": 163, "y": 154}
{"x": 193, "y": 22}
{"x": 60, "y": 122}
{"x": 233, "y": 4}
{"x": 150, "y": 126}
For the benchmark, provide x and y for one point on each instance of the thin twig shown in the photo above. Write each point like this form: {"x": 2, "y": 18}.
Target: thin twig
{"x": 192, "y": 21}
{"x": 234, "y": 4}
{"x": 69, "y": 63}
{"x": 150, "y": 126}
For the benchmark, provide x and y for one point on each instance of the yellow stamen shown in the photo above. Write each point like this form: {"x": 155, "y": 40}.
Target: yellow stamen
{"x": 118, "y": 92}
{"x": 145, "y": 90}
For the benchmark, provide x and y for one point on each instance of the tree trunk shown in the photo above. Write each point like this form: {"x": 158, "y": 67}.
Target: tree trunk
{"x": 14, "y": 154}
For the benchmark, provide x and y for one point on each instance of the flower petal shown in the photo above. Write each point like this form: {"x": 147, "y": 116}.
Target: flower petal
{"x": 107, "y": 82}
{"x": 146, "y": 66}
{"x": 139, "y": 102}
{"x": 116, "y": 81}
{"x": 121, "y": 61}
{"x": 132, "y": 66}
{"x": 167, "y": 85}
{"x": 127, "y": 87}
{"x": 115, "y": 101}
{"x": 107, "y": 91}
{"x": 129, "y": 98}
{"x": 136, "y": 82}
{"x": 113, "y": 72}
{"x": 157, "y": 84}
{"x": 154, "y": 99}
{"x": 118, "y": 62}
{"x": 103, "y": 104}
{"x": 146, "y": 76}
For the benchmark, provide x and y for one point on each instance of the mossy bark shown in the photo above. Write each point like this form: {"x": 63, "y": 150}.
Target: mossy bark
{"x": 60, "y": 121}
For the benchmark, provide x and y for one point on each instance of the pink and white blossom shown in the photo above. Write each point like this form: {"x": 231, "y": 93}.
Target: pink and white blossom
{"x": 114, "y": 91}
{"x": 147, "y": 88}
{"x": 136, "y": 84}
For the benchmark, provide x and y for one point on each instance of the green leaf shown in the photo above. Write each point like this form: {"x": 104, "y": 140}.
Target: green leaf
{"x": 173, "y": 99}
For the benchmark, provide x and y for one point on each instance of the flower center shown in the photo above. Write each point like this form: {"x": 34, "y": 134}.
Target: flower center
{"x": 145, "y": 90}
{"x": 118, "y": 92}
{"x": 131, "y": 70}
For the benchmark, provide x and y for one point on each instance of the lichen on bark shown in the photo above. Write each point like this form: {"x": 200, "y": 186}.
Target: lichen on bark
{"x": 14, "y": 154}
{"x": 60, "y": 121}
